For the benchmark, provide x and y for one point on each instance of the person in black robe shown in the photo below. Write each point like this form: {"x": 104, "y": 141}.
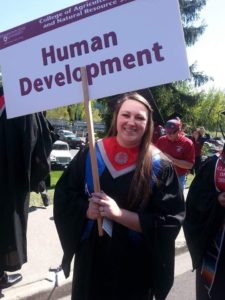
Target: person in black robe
{"x": 25, "y": 145}
{"x": 142, "y": 207}
{"x": 204, "y": 228}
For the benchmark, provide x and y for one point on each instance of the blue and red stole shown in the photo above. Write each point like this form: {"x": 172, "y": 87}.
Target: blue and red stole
{"x": 2, "y": 104}
{"x": 212, "y": 256}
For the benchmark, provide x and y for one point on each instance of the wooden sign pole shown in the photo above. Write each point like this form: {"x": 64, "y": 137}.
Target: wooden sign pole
{"x": 91, "y": 139}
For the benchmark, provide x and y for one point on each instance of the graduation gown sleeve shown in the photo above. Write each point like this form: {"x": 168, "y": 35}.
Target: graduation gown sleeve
{"x": 70, "y": 206}
{"x": 161, "y": 223}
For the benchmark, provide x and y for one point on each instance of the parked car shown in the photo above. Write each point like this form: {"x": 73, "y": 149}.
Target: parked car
{"x": 63, "y": 134}
{"x": 70, "y": 138}
{"x": 60, "y": 156}
{"x": 75, "y": 142}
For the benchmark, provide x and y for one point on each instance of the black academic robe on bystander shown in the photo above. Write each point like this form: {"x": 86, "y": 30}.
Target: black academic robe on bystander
{"x": 25, "y": 145}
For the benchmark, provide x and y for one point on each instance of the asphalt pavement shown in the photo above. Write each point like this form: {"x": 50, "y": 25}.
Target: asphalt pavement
{"x": 42, "y": 279}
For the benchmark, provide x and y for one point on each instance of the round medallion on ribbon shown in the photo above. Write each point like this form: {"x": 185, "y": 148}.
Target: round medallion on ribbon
{"x": 121, "y": 158}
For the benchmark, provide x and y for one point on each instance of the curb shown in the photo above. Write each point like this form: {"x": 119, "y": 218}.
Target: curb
{"x": 50, "y": 293}
{"x": 43, "y": 289}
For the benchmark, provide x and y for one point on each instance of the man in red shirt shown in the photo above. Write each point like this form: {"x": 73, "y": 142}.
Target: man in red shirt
{"x": 178, "y": 148}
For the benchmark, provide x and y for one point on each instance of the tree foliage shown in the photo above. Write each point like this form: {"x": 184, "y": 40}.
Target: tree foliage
{"x": 207, "y": 111}
{"x": 194, "y": 108}
{"x": 75, "y": 112}
{"x": 190, "y": 10}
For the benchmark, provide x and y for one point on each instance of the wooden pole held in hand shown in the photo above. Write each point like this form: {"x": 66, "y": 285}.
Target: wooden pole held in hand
{"x": 91, "y": 139}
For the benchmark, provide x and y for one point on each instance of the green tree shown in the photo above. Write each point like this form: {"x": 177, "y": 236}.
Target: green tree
{"x": 58, "y": 113}
{"x": 190, "y": 10}
{"x": 207, "y": 111}
{"x": 74, "y": 112}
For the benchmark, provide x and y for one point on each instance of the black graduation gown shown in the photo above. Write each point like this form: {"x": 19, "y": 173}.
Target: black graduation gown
{"x": 128, "y": 265}
{"x": 25, "y": 145}
{"x": 204, "y": 215}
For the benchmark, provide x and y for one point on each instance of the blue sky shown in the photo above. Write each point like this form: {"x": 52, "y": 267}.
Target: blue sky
{"x": 17, "y": 12}
{"x": 208, "y": 52}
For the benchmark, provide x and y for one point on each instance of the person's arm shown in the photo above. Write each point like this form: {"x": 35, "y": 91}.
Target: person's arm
{"x": 166, "y": 208}
{"x": 221, "y": 199}
{"x": 177, "y": 162}
{"x": 203, "y": 211}
{"x": 129, "y": 219}
{"x": 188, "y": 157}
{"x": 184, "y": 164}
{"x": 161, "y": 222}
{"x": 70, "y": 204}
{"x": 169, "y": 202}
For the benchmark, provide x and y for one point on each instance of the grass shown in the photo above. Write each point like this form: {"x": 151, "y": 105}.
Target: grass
{"x": 55, "y": 175}
{"x": 190, "y": 177}
{"x": 35, "y": 199}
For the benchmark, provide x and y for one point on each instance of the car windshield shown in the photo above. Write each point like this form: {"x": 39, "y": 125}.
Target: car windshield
{"x": 60, "y": 147}
{"x": 67, "y": 133}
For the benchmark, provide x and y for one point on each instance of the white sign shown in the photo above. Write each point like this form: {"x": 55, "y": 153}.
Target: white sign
{"x": 125, "y": 45}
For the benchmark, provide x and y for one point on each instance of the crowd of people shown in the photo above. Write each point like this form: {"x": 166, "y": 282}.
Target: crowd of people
{"x": 140, "y": 205}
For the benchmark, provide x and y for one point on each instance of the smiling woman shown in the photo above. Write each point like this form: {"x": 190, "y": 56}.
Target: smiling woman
{"x": 141, "y": 206}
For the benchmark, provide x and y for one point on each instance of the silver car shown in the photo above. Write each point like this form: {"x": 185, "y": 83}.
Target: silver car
{"x": 60, "y": 156}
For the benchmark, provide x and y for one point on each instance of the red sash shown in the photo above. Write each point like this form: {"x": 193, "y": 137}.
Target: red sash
{"x": 2, "y": 104}
{"x": 212, "y": 255}
{"x": 219, "y": 175}
{"x": 120, "y": 157}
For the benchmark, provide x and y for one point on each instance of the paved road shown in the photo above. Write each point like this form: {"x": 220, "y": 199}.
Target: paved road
{"x": 183, "y": 288}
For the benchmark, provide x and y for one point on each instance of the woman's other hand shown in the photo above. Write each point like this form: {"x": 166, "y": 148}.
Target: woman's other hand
{"x": 221, "y": 199}
{"x": 93, "y": 210}
{"x": 107, "y": 206}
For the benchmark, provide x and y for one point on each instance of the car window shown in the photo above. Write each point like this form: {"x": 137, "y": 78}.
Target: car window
{"x": 60, "y": 147}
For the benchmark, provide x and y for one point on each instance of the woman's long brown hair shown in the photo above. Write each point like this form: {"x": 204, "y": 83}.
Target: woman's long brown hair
{"x": 140, "y": 186}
